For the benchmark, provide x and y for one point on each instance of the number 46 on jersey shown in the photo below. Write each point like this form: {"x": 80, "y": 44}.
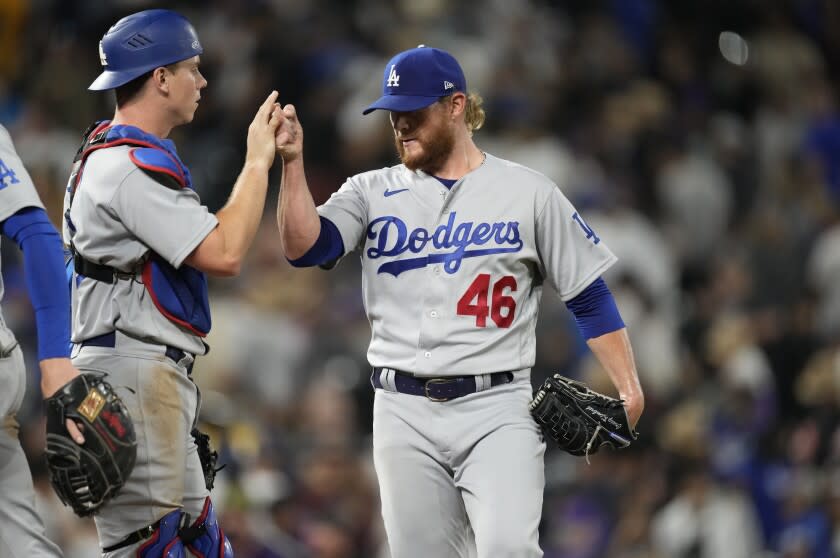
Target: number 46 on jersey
{"x": 485, "y": 297}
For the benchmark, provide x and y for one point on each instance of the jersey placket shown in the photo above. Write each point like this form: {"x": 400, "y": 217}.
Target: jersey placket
{"x": 435, "y": 295}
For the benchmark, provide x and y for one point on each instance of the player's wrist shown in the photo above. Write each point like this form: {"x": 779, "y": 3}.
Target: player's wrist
{"x": 55, "y": 373}
{"x": 634, "y": 404}
{"x": 291, "y": 157}
{"x": 633, "y": 399}
{"x": 294, "y": 174}
{"x": 256, "y": 164}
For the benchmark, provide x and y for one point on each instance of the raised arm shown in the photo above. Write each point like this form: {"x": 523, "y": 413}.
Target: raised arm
{"x": 297, "y": 218}
{"x": 222, "y": 251}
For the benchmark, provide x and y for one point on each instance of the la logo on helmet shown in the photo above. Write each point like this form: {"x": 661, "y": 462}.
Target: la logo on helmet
{"x": 102, "y": 58}
{"x": 393, "y": 77}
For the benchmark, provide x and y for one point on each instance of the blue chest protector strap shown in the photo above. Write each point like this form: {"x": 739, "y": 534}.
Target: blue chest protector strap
{"x": 179, "y": 294}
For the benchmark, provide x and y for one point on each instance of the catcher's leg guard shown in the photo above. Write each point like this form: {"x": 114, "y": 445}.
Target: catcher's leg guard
{"x": 205, "y": 537}
{"x": 165, "y": 542}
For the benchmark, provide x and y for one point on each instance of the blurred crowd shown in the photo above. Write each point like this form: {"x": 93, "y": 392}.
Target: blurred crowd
{"x": 716, "y": 183}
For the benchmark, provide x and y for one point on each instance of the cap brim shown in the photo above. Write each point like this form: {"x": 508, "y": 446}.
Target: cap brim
{"x": 400, "y": 103}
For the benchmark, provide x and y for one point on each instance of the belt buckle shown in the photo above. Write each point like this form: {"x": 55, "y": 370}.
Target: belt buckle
{"x": 436, "y": 381}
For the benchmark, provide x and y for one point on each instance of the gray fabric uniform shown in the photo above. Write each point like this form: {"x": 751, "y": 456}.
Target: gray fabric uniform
{"x": 120, "y": 213}
{"x": 452, "y": 281}
{"x": 21, "y": 530}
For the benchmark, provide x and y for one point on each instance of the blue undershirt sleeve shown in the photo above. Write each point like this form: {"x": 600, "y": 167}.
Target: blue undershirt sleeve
{"x": 46, "y": 279}
{"x": 326, "y": 250}
{"x": 595, "y": 310}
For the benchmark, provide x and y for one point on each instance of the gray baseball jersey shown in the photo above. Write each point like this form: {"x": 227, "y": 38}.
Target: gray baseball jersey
{"x": 452, "y": 279}
{"x": 120, "y": 214}
{"x": 16, "y": 192}
{"x": 16, "y": 188}
{"x": 21, "y": 530}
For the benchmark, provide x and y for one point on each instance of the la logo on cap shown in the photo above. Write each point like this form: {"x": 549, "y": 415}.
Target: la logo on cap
{"x": 393, "y": 77}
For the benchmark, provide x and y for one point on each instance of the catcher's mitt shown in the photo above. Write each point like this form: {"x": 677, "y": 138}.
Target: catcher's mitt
{"x": 87, "y": 476}
{"x": 578, "y": 419}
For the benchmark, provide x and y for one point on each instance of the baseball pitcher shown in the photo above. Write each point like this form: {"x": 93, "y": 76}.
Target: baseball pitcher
{"x": 456, "y": 245}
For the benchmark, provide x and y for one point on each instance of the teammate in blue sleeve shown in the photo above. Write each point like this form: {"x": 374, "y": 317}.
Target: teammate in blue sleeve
{"x": 456, "y": 245}
{"x": 24, "y": 221}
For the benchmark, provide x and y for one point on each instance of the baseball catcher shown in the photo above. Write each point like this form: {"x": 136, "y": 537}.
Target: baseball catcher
{"x": 578, "y": 419}
{"x": 88, "y": 475}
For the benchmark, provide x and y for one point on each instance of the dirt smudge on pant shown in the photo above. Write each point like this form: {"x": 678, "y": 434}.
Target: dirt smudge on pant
{"x": 163, "y": 407}
{"x": 10, "y": 426}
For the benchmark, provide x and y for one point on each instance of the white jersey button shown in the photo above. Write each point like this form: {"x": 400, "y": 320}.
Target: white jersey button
{"x": 433, "y": 313}
{"x": 427, "y": 354}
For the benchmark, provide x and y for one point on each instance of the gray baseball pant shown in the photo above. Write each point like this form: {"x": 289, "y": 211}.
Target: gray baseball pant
{"x": 461, "y": 474}
{"x": 163, "y": 403}
{"x": 21, "y": 529}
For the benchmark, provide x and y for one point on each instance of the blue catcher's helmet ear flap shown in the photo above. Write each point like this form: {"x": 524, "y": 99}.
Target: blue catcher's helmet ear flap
{"x": 141, "y": 42}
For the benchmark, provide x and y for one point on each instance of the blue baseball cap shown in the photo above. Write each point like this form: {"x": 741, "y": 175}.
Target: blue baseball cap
{"x": 141, "y": 42}
{"x": 416, "y": 78}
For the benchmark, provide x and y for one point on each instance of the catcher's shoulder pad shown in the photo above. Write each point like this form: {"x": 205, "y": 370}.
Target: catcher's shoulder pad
{"x": 159, "y": 165}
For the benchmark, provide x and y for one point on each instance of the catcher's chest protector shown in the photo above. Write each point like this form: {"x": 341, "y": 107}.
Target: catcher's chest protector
{"x": 179, "y": 294}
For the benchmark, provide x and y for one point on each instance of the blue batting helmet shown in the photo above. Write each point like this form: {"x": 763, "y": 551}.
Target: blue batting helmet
{"x": 141, "y": 42}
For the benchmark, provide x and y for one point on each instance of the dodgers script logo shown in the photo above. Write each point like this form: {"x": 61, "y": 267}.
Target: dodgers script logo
{"x": 392, "y": 238}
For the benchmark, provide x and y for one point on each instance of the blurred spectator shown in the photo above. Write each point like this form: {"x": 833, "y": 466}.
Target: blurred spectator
{"x": 706, "y": 519}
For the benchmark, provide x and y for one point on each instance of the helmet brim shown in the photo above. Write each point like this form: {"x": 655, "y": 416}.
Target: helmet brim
{"x": 111, "y": 80}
